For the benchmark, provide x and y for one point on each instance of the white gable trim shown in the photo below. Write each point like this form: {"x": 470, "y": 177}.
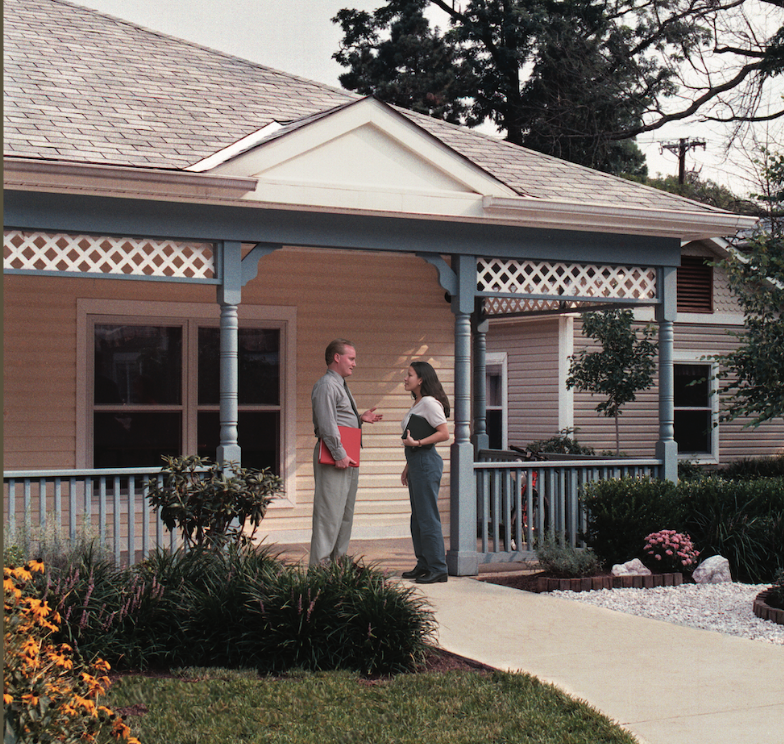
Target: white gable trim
{"x": 364, "y": 156}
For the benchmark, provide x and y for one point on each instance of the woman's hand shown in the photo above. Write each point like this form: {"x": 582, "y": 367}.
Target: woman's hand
{"x": 408, "y": 441}
{"x": 404, "y": 476}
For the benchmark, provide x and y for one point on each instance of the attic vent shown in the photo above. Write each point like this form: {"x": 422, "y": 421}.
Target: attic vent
{"x": 695, "y": 285}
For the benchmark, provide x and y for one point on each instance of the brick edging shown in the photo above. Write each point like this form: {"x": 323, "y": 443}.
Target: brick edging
{"x": 592, "y": 583}
{"x": 763, "y": 610}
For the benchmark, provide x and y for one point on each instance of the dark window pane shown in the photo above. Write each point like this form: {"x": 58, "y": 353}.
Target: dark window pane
{"x": 259, "y": 438}
{"x": 259, "y": 366}
{"x": 494, "y": 428}
{"x": 691, "y": 385}
{"x": 692, "y": 431}
{"x": 133, "y": 439}
{"x": 494, "y": 388}
{"x": 138, "y": 365}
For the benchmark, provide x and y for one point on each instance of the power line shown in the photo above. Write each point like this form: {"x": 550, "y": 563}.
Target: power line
{"x": 681, "y": 147}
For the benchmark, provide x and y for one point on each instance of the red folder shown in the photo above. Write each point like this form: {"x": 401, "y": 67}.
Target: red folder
{"x": 351, "y": 440}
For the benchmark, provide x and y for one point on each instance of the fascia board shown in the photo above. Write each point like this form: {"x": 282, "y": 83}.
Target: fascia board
{"x": 686, "y": 225}
{"x": 297, "y": 143}
{"x": 138, "y": 182}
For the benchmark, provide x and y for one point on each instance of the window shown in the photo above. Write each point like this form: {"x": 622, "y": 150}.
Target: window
{"x": 695, "y": 285}
{"x": 495, "y": 405}
{"x": 152, "y": 385}
{"x": 694, "y": 409}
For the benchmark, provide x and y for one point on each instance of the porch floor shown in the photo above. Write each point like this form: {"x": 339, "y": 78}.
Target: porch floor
{"x": 664, "y": 683}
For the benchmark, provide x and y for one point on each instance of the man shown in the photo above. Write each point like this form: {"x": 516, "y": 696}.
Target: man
{"x": 336, "y": 485}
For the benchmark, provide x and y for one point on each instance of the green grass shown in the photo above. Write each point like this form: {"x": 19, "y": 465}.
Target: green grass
{"x": 218, "y": 706}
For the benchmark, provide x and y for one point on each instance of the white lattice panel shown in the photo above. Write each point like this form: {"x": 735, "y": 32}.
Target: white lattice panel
{"x": 89, "y": 254}
{"x": 572, "y": 280}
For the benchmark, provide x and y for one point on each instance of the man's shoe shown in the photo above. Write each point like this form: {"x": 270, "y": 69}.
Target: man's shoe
{"x": 432, "y": 577}
{"x": 414, "y": 573}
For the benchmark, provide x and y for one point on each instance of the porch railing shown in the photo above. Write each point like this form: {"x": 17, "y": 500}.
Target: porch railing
{"x": 109, "y": 505}
{"x": 520, "y": 500}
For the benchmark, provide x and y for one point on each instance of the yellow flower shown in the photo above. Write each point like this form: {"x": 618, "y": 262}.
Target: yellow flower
{"x": 22, "y": 573}
{"x": 30, "y": 698}
{"x": 36, "y": 566}
{"x": 7, "y": 699}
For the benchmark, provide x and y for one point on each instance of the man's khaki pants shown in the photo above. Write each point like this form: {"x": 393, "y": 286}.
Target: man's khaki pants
{"x": 333, "y": 510}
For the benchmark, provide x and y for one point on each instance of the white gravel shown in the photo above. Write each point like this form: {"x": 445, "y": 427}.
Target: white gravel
{"x": 726, "y": 608}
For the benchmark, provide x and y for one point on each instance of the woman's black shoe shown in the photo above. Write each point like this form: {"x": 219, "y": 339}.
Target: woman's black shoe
{"x": 432, "y": 577}
{"x": 414, "y": 573}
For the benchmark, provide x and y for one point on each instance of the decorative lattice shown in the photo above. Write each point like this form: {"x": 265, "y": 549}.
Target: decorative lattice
{"x": 89, "y": 254}
{"x": 550, "y": 280}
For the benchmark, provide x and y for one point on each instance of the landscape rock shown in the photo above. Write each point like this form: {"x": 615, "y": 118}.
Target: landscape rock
{"x": 713, "y": 570}
{"x": 630, "y": 568}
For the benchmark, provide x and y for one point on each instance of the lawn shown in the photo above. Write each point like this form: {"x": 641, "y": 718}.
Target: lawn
{"x": 215, "y": 706}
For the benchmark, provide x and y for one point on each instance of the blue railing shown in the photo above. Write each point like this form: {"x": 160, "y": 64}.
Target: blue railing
{"x": 519, "y": 500}
{"x": 110, "y": 505}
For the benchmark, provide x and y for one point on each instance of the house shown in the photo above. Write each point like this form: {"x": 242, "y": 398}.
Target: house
{"x": 185, "y": 232}
{"x": 528, "y": 363}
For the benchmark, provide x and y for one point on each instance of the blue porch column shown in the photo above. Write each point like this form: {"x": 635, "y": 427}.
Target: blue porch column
{"x": 229, "y": 297}
{"x": 666, "y": 314}
{"x": 462, "y": 557}
{"x": 481, "y": 437}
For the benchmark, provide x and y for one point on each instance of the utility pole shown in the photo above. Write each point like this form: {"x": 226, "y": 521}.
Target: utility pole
{"x": 681, "y": 147}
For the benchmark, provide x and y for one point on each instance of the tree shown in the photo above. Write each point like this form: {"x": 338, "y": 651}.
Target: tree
{"x": 754, "y": 371}
{"x": 623, "y": 367}
{"x": 572, "y": 78}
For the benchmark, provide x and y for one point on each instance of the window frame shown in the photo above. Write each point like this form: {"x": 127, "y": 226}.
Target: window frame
{"x": 691, "y": 358}
{"x": 499, "y": 359}
{"x": 191, "y": 316}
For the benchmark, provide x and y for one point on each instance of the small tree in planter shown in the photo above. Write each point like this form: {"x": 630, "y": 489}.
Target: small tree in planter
{"x": 622, "y": 368}
{"x": 210, "y": 503}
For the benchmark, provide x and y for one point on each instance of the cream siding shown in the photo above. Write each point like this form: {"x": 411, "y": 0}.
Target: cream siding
{"x": 389, "y": 305}
{"x": 532, "y": 376}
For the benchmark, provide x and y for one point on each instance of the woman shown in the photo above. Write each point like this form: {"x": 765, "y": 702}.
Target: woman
{"x": 424, "y": 466}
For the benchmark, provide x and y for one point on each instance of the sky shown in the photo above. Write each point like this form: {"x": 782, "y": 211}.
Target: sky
{"x": 298, "y": 37}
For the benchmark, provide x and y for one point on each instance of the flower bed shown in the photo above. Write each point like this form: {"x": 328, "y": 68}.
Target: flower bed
{"x": 591, "y": 583}
{"x": 763, "y": 610}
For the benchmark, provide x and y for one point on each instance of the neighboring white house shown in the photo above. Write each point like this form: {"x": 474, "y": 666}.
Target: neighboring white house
{"x": 185, "y": 232}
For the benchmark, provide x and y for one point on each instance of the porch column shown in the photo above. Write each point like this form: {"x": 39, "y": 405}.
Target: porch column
{"x": 666, "y": 313}
{"x": 462, "y": 557}
{"x": 481, "y": 437}
{"x": 229, "y": 296}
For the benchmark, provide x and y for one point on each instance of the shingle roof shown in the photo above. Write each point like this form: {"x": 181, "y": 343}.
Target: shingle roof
{"x": 81, "y": 86}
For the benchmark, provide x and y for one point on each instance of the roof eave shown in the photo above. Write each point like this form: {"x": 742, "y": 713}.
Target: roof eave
{"x": 565, "y": 215}
{"x": 120, "y": 180}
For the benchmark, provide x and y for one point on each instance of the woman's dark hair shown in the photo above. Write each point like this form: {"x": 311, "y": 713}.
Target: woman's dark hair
{"x": 431, "y": 385}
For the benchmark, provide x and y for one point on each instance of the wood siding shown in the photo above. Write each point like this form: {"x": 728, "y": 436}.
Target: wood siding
{"x": 389, "y": 305}
{"x": 532, "y": 377}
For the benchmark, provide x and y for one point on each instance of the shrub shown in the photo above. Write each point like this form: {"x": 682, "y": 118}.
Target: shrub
{"x": 338, "y": 615}
{"x": 740, "y": 520}
{"x": 753, "y": 468}
{"x": 560, "y": 443}
{"x": 620, "y": 513}
{"x": 776, "y": 596}
{"x": 239, "y": 606}
{"x": 560, "y": 559}
{"x": 48, "y": 693}
{"x": 210, "y": 503}
{"x": 668, "y": 550}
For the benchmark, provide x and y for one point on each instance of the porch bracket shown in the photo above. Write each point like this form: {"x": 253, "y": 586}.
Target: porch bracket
{"x": 462, "y": 557}
{"x": 250, "y": 264}
{"x": 446, "y": 276}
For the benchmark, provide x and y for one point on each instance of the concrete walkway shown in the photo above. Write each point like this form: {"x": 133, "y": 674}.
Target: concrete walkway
{"x": 665, "y": 683}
